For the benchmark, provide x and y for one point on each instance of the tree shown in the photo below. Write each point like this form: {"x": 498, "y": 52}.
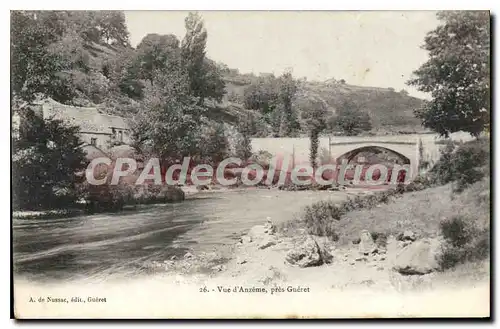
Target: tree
{"x": 101, "y": 27}
{"x": 51, "y": 56}
{"x": 213, "y": 86}
{"x": 215, "y": 144}
{"x": 314, "y": 115}
{"x": 157, "y": 53}
{"x": 288, "y": 89}
{"x": 262, "y": 94}
{"x": 274, "y": 98}
{"x": 46, "y": 158}
{"x": 112, "y": 27}
{"x": 204, "y": 76}
{"x": 243, "y": 147}
{"x": 168, "y": 124}
{"x": 35, "y": 69}
{"x": 457, "y": 74}
{"x": 350, "y": 120}
{"x": 125, "y": 71}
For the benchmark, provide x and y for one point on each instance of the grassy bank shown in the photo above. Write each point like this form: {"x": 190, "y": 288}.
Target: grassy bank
{"x": 452, "y": 201}
{"x": 420, "y": 212}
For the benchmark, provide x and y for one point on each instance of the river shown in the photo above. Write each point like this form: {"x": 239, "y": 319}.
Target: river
{"x": 119, "y": 244}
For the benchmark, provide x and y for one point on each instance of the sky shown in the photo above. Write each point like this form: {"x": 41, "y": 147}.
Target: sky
{"x": 379, "y": 49}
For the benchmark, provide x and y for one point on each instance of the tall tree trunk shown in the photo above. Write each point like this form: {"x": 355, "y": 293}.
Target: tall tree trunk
{"x": 314, "y": 140}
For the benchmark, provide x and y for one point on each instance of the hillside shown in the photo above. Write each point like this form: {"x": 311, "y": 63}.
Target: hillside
{"x": 390, "y": 111}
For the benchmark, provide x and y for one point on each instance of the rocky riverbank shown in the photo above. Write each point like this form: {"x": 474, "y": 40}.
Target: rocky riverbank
{"x": 275, "y": 276}
{"x": 265, "y": 258}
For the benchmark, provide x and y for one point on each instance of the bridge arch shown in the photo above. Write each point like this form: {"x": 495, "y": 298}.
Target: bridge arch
{"x": 373, "y": 154}
{"x": 393, "y": 152}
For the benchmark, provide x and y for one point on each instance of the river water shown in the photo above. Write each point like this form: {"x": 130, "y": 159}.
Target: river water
{"x": 119, "y": 244}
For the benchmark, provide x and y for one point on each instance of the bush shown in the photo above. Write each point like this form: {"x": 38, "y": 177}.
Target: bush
{"x": 380, "y": 239}
{"x": 46, "y": 154}
{"x": 463, "y": 165}
{"x": 368, "y": 201}
{"x": 464, "y": 241}
{"x": 320, "y": 217}
{"x": 418, "y": 184}
{"x": 234, "y": 97}
{"x": 262, "y": 158}
{"x": 456, "y": 231}
{"x": 151, "y": 194}
{"x": 106, "y": 197}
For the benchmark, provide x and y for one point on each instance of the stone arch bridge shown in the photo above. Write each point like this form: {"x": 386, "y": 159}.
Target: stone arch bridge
{"x": 404, "y": 148}
{"x": 401, "y": 152}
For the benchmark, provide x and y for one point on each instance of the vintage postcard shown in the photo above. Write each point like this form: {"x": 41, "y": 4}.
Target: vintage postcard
{"x": 250, "y": 164}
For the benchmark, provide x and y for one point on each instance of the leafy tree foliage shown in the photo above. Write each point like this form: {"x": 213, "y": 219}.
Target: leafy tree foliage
{"x": 124, "y": 72}
{"x": 168, "y": 123}
{"x": 457, "y": 74}
{"x": 157, "y": 52}
{"x": 46, "y": 156}
{"x": 112, "y": 28}
{"x": 243, "y": 148}
{"x": 274, "y": 98}
{"x": 314, "y": 113}
{"x": 350, "y": 120}
{"x": 262, "y": 95}
{"x": 204, "y": 76}
{"x": 100, "y": 27}
{"x": 213, "y": 86}
{"x": 215, "y": 144}
{"x": 35, "y": 69}
{"x": 51, "y": 53}
{"x": 288, "y": 89}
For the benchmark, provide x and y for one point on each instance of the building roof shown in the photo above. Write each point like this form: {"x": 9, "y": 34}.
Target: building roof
{"x": 89, "y": 119}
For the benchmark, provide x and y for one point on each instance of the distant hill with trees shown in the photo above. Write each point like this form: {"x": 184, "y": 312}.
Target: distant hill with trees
{"x": 390, "y": 111}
